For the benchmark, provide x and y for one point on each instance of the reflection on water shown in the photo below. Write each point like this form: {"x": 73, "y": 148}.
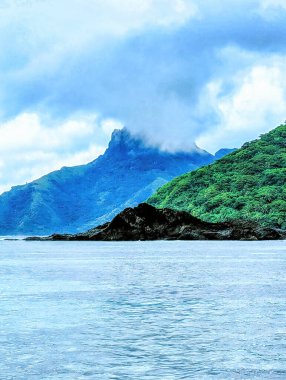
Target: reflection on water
{"x": 144, "y": 310}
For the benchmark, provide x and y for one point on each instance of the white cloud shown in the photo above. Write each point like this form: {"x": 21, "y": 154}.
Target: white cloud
{"x": 30, "y": 148}
{"x": 46, "y": 34}
{"x": 61, "y": 56}
{"x": 271, "y": 9}
{"x": 267, "y": 4}
{"x": 39, "y": 37}
{"x": 109, "y": 125}
{"x": 257, "y": 106}
{"x": 72, "y": 21}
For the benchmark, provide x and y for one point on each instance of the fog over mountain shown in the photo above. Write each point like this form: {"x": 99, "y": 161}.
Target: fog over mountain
{"x": 178, "y": 72}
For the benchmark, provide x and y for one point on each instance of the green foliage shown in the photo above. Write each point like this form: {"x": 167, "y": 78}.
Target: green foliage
{"x": 249, "y": 183}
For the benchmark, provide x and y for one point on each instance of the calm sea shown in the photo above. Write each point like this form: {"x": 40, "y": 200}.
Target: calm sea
{"x": 143, "y": 310}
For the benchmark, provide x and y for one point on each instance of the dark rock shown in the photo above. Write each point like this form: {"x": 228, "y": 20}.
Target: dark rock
{"x": 145, "y": 222}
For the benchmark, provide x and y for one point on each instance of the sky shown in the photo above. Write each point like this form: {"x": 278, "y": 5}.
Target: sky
{"x": 173, "y": 71}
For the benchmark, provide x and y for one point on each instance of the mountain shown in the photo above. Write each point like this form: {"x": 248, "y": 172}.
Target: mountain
{"x": 223, "y": 152}
{"x": 77, "y": 198}
{"x": 246, "y": 184}
{"x": 146, "y": 222}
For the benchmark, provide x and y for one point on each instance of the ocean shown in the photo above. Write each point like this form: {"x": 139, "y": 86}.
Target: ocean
{"x": 142, "y": 310}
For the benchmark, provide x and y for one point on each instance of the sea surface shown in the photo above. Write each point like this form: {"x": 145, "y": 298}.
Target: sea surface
{"x": 142, "y": 310}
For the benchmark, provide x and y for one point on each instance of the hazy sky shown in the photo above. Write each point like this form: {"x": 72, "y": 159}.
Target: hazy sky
{"x": 177, "y": 71}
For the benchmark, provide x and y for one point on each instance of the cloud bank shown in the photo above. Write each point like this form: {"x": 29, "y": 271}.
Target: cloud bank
{"x": 30, "y": 148}
{"x": 176, "y": 71}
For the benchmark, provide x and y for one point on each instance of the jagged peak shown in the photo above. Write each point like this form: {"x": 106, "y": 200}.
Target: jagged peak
{"x": 123, "y": 139}
{"x": 120, "y": 136}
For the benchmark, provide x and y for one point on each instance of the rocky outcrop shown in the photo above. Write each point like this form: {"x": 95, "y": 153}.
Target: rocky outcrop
{"x": 145, "y": 222}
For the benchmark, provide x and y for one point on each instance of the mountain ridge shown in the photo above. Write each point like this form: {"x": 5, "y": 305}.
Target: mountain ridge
{"x": 76, "y": 198}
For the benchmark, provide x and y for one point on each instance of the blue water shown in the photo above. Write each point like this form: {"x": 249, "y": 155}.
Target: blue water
{"x": 144, "y": 310}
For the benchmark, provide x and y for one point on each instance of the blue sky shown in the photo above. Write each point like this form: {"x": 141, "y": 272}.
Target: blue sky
{"x": 175, "y": 71}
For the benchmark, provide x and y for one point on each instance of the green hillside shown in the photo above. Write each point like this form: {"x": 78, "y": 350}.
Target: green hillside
{"x": 247, "y": 184}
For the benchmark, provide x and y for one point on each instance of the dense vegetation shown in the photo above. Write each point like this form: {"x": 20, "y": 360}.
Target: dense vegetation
{"x": 247, "y": 184}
